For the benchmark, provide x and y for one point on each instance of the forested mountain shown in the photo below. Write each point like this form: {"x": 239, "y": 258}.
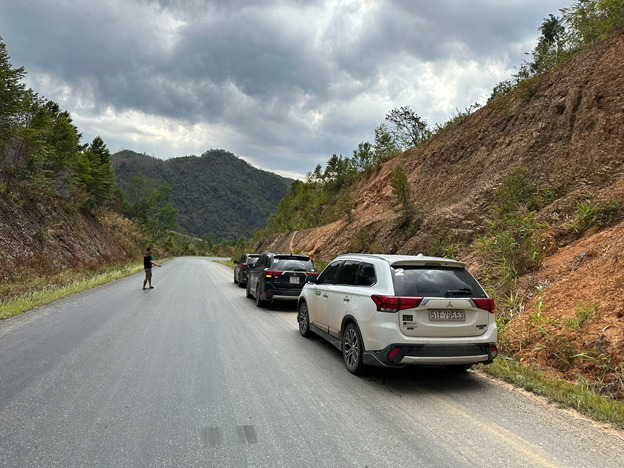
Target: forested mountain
{"x": 216, "y": 193}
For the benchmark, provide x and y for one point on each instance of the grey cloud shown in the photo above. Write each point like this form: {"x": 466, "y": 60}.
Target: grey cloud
{"x": 253, "y": 69}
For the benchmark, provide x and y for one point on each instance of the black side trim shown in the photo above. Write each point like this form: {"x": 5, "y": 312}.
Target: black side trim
{"x": 334, "y": 340}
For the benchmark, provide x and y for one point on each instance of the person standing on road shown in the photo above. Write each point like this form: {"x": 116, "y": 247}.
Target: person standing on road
{"x": 147, "y": 264}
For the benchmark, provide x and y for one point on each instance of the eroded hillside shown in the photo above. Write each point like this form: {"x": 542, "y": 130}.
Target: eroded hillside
{"x": 42, "y": 236}
{"x": 566, "y": 129}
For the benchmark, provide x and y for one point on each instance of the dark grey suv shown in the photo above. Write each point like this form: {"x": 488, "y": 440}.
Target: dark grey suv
{"x": 278, "y": 277}
{"x": 247, "y": 261}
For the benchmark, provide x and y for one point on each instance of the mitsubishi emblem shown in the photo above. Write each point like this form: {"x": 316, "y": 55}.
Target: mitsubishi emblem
{"x": 449, "y": 304}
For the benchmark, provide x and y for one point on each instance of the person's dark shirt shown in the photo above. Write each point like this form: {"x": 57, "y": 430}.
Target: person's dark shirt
{"x": 147, "y": 261}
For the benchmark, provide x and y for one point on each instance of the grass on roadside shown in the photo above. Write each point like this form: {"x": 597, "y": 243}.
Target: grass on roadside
{"x": 577, "y": 395}
{"x": 64, "y": 285}
{"x": 229, "y": 263}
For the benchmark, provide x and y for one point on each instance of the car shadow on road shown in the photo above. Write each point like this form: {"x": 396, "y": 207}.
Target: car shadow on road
{"x": 280, "y": 306}
{"x": 413, "y": 379}
{"x": 438, "y": 380}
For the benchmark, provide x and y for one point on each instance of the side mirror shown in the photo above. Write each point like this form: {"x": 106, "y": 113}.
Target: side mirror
{"x": 311, "y": 279}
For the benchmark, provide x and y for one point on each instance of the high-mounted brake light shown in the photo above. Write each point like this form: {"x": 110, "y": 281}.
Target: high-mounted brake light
{"x": 272, "y": 273}
{"x": 486, "y": 303}
{"x": 395, "y": 303}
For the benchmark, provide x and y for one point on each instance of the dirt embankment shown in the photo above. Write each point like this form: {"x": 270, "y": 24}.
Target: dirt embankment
{"x": 567, "y": 130}
{"x": 42, "y": 236}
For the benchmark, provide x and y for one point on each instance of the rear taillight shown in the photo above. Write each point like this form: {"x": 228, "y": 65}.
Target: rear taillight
{"x": 395, "y": 303}
{"x": 272, "y": 273}
{"x": 244, "y": 265}
{"x": 486, "y": 303}
{"x": 312, "y": 273}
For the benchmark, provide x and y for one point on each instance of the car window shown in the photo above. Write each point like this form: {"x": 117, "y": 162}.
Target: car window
{"x": 290, "y": 264}
{"x": 426, "y": 281}
{"x": 346, "y": 274}
{"x": 327, "y": 277}
{"x": 366, "y": 275}
{"x": 263, "y": 262}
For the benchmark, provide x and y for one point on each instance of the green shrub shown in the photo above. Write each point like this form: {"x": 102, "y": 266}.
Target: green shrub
{"x": 608, "y": 213}
{"x": 513, "y": 245}
{"x": 363, "y": 242}
{"x": 590, "y": 211}
{"x": 517, "y": 192}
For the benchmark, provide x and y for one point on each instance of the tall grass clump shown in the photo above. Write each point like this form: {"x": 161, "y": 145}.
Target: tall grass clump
{"x": 513, "y": 243}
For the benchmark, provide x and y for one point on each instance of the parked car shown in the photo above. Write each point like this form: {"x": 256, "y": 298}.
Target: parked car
{"x": 247, "y": 261}
{"x": 392, "y": 310}
{"x": 278, "y": 277}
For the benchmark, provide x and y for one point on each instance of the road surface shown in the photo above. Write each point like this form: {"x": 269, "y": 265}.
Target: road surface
{"x": 193, "y": 374}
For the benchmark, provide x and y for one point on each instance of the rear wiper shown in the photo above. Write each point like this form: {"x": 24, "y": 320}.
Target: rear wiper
{"x": 458, "y": 292}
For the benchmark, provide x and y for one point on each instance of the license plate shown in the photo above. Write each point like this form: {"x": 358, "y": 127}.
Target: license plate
{"x": 442, "y": 315}
{"x": 294, "y": 280}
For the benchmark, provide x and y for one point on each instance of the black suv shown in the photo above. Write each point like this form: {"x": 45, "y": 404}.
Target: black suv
{"x": 278, "y": 277}
{"x": 246, "y": 262}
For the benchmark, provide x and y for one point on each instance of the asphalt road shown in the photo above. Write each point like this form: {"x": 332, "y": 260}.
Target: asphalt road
{"x": 191, "y": 373}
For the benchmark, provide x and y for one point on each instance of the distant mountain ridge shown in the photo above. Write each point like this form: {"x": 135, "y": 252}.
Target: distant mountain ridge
{"x": 216, "y": 192}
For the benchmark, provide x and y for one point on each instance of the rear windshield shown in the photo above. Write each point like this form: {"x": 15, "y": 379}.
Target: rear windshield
{"x": 427, "y": 281}
{"x": 290, "y": 264}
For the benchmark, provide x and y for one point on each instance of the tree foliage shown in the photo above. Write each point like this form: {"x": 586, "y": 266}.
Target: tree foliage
{"x": 582, "y": 24}
{"x": 40, "y": 147}
{"x": 385, "y": 146}
{"x": 327, "y": 193}
{"x": 408, "y": 129}
{"x": 402, "y": 194}
{"x": 148, "y": 202}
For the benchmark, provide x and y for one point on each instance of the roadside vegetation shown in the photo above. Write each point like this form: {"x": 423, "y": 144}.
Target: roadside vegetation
{"x": 579, "y": 395}
{"x": 34, "y": 291}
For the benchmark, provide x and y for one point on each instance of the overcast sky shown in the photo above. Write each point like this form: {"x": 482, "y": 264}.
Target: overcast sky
{"x": 283, "y": 84}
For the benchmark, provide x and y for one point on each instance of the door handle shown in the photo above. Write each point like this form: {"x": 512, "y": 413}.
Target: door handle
{"x": 325, "y": 296}
{"x": 346, "y": 299}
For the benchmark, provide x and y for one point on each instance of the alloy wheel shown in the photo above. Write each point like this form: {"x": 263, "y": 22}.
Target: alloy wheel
{"x": 351, "y": 348}
{"x": 303, "y": 317}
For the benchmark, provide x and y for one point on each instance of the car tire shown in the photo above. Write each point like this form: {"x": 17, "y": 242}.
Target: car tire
{"x": 353, "y": 349}
{"x": 259, "y": 302}
{"x": 248, "y": 291}
{"x": 235, "y": 280}
{"x": 241, "y": 284}
{"x": 303, "y": 318}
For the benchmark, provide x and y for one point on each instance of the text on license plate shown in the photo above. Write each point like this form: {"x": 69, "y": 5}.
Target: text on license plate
{"x": 294, "y": 280}
{"x": 446, "y": 315}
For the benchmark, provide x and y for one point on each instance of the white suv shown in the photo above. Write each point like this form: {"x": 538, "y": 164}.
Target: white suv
{"x": 395, "y": 310}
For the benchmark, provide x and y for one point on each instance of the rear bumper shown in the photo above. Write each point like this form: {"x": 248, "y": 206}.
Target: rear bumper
{"x": 282, "y": 295}
{"x": 433, "y": 354}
